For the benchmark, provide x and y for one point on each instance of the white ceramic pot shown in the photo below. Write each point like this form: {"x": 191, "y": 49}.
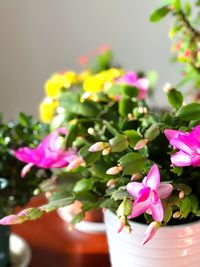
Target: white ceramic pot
{"x": 172, "y": 246}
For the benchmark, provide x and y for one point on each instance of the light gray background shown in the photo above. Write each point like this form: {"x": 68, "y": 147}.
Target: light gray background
{"x": 38, "y": 37}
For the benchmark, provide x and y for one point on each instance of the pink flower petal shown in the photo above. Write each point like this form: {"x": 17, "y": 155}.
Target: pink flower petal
{"x": 143, "y": 194}
{"x": 164, "y": 190}
{"x": 24, "y": 154}
{"x": 169, "y": 133}
{"x": 26, "y": 169}
{"x": 134, "y": 188}
{"x": 157, "y": 211}
{"x": 140, "y": 208}
{"x": 181, "y": 159}
{"x": 155, "y": 197}
{"x": 153, "y": 178}
{"x": 177, "y": 143}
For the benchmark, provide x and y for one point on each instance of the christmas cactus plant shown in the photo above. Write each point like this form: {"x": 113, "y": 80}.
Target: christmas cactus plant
{"x": 108, "y": 149}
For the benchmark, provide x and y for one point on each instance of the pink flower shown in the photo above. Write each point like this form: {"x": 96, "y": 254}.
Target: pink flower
{"x": 188, "y": 145}
{"x": 50, "y": 153}
{"x": 148, "y": 195}
{"x": 142, "y": 84}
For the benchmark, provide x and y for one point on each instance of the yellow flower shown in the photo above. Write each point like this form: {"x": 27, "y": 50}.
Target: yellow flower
{"x": 47, "y": 109}
{"x": 54, "y": 85}
{"x": 93, "y": 84}
{"x": 70, "y": 78}
{"x": 84, "y": 75}
{"x": 59, "y": 81}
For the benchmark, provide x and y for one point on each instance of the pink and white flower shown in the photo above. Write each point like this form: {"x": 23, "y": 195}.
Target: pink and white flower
{"x": 188, "y": 144}
{"x": 148, "y": 195}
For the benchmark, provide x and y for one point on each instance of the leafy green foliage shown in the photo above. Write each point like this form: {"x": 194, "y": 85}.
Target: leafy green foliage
{"x": 159, "y": 14}
{"x": 25, "y": 131}
{"x": 175, "y": 98}
{"x": 189, "y": 112}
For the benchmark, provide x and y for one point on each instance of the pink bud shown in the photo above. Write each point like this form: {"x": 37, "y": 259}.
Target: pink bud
{"x": 122, "y": 223}
{"x": 12, "y": 219}
{"x": 75, "y": 163}
{"x": 98, "y": 146}
{"x": 114, "y": 170}
{"x": 151, "y": 231}
{"x": 140, "y": 144}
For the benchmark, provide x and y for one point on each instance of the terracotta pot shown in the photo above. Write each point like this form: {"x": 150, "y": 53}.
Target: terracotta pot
{"x": 92, "y": 223}
{"x": 172, "y": 246}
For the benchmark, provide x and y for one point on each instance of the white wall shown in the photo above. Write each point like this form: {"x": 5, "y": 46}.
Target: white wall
{"x": 38, "y": 37}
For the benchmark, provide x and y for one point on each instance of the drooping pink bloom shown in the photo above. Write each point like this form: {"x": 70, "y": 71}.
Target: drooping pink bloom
{"x": 188, "y": 144}
{"x": 50, "y": 153}
{"x": 148, "y": 195}
{"x": 151, "y": 231}
{"x": 142, "y": 84}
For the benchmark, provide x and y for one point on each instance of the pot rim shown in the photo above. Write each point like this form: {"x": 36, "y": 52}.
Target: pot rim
{"x": 163, "y": 226}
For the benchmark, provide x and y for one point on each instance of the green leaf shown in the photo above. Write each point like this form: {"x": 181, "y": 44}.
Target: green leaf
{"x": 152, "y": 132}
{"x": 133, "y": 137}
{"x": 159, "y": 14}
{"x": 125, "y": 106}
{"x": 185, "y": 207}
{"x": 78, "y": 218}
{"x": 84, "y": 185}
{"x": 130, "y": 91}
{"x": 99, "y": 169}
{"x": 183, "y": 187}
{"x": 187, "y": 9}
{"x": 175, "y": 98}
{"x": 194, "y": 203}
{"x": 177, "y": 170}
{"x": 118, "y": 143}
{"x": 72, "y": 133}
{"x": 132, "y": 163}
{"x": 88, "y": 156}
{"x": 177, "y": 4}
{"x": 167, "y": 213}
{"x": 71, "y": 103}
{"x": 57, "y": 204}
{"x": 125, "y": 208}
{"x": 189, "y": 112}
{"x": 87, "y": 108}
{"x": 120, "y": 194}
{"x": 33, "y": 213}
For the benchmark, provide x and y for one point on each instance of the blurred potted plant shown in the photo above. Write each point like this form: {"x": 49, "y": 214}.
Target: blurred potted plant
{"x": 15, "y": 191}
{"x": 141, "y": 165}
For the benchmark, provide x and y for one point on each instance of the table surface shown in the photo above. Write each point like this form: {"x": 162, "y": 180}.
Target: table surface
{"x": 53, "y": 245}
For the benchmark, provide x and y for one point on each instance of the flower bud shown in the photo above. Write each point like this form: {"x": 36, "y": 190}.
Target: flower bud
{"x": 177, "y": 215}
{"x": 130, "y": 117}
{"x": 136, "y": 176}
{"x": 111, "y": 182}
{"x": 151, "y": 231}
{"x": 106, "y": 151}
{"x": 12, "y": 219}
{"x": 142, "y": 110}
{"x": 114, "y": 170}
{"x": 98, "y": 146}
{"x": 181, "y": 194}
{"x": 167, "y": 88}
{"x": 75, "y": 163}
{"x": 122, "y": 223}
{"x": 140, "y": 144}
{"x": 91, "y": 131}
